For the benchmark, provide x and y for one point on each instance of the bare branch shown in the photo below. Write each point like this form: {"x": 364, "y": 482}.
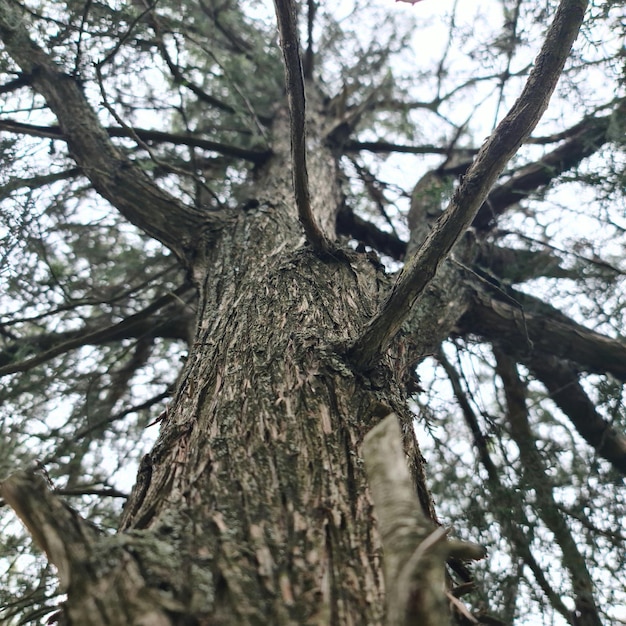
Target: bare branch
{"x": 386, "y": 146}
{"x": 539, "y": 328}
{"x": 36, "y": 182}
{"x": 133, "y": 326}
{"x": 15, "y": 84}
{"x": 469, "y": 196}
{"x": 294, "y": 81}
{"x": 155, "y": 136}
{"x": 536, "y": 478}
{"x": 92, "y": 491}
{"x": 309, "y": 55}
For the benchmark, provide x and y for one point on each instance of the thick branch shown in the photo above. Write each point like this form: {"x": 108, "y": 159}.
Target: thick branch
{"x": 414, "y": 552}
{"x": 471, "y": 193}
{"x": 36, "y": 182}
{"x": 386, "y": 146}
{"x": 294, "y": 81}
{"x": 356, "y": 227}
{"x": 513, "y": 265}
{"x": 109, "y": 579}
{"x": 115, "y": 177}
{"x": 14, "y": 84}
{"x": 526, "y": 332}
{"x": 55, "y": 527}
{"x": 309, "y": 55}
{"x": 562, "y": 382}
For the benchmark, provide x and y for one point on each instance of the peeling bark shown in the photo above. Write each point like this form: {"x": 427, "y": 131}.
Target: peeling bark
{"x": 253, "y": 506}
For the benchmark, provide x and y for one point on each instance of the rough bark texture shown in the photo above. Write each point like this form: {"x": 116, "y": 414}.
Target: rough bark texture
{"x": 252, "y": 508}
{"x": 256, "y": 483}
{"x": 257, "y": 410}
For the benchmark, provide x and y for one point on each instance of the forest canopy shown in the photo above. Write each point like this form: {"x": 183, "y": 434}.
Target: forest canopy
{"x": 139, "y": 140}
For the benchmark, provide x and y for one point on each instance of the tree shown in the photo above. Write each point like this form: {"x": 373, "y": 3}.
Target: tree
{"x": 277, "y": 490}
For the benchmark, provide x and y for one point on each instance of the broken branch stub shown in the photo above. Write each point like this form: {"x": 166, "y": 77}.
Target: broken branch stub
{"x": 414, "y": 552}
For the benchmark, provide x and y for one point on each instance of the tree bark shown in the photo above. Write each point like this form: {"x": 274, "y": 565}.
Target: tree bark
{"x": 260, "y": 446}
{"x": 253, "y": 506}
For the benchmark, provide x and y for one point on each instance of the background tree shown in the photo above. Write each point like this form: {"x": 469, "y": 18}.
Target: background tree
{"x": 163, "y": 307}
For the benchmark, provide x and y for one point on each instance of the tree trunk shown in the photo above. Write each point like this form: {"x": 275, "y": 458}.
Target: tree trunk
{"x": 259, "y": 458}
{"x": 253, "y": 507}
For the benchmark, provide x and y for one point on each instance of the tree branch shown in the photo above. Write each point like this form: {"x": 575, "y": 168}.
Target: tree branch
{"x": 113, "y": 175}
{"x": 155, "y": 136}
{"x": 132, "y": 326}
{"x": 535, "y": 478}
{"x": 469, "y": 196}
{"x": 562, "y": 382}
{"x": 509, "y": 510}
{"x": 294, "y": 81}
{"x": 386, "y": 146}
{"x": 55, "y": 527}
{"x": 14, "y": 84}
{"x": 85, "y": 557}
{"x": 35, "y": 182}
{"x": 537, "y": 327}
{"x": 414, "y": 551}
{"x": 513, "y": 265}
{"x": 590, "y": 136}
{"x": 356, "y": 227}
{"x": 309, "y": 55}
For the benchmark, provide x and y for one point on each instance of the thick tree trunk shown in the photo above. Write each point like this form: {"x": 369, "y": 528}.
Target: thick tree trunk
{"x": 258, "y": 465}
{"x": 258, "y": 460}
{"x": 253, "y": 506}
